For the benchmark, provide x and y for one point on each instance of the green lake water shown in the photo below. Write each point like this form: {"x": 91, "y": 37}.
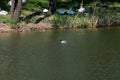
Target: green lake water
{"x": 89, "y": 54}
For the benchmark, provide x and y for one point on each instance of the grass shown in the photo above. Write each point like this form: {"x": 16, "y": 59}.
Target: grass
{"x": 100, "y": 16}
{"x": 35, "y": 5}
{"x": 7, "y": 20}
{"x": 70, "y": 21}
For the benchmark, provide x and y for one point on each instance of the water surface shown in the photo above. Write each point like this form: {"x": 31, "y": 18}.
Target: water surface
{"x": 87, "y": 55}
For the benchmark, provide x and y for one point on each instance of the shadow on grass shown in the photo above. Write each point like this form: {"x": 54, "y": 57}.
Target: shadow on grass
{"x": 42, "y": 18}
{"x": 36, "y": 20}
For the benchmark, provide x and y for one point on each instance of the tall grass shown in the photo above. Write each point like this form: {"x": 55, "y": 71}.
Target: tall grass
{"x": 7, "y": 20}
{"x": 100, "y": 17}
{"x": 71, "y": 21}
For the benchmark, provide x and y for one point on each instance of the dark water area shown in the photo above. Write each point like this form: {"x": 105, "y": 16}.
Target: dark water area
{"x": 88, "y": 55}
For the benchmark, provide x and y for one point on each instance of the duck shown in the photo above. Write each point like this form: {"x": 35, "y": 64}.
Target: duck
{"x": 63, "y": 41}
{"x": 81, "y": 9}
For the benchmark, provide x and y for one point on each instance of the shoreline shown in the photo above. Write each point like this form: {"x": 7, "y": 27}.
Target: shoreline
{"x": 41, "y": 27}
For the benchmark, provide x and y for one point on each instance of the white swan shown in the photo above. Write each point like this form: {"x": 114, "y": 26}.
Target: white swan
{"x": 10, "y": 3}
{"x": 63, "y": 41}
{"x": 70, "y": 11}
{"x": 81, "y": 9}
{"x": 45, "y": 10}
{"x": 3, "y": 12}
{"x": 61, "y": 11}
{"x": 23, "y": 1}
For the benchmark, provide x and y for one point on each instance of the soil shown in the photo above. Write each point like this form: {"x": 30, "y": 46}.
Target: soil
{"x": 5, "y": 28}
{"x": 25, "y": 27}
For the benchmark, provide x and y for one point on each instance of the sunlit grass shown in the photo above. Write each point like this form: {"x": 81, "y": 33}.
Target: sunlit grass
{"x": 101, "y": 16}
{"x": 6, "y": 19}
{"x": 34, "y": 5}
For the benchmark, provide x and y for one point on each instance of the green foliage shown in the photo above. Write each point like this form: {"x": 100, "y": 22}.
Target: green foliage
{"x": 4, "y": 4}
{"x": 97, "y": 16}
{"x": 35, "y": 5}
{"x": 8, "y": 20}
{"x": 100, "y": 16}
{"x": 5, "y": 19}
{"x": 68, "y": 21}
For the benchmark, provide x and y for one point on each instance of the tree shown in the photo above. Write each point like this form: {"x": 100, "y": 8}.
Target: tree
{"x": 52, "y": 6}
{"x": 3, "y": 5}
{"x": 16, "y": 10}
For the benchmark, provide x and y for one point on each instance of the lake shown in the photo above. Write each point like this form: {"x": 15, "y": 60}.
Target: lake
{"x": 89, "y": 54}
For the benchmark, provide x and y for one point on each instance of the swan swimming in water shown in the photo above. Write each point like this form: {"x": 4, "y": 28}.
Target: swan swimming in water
{"x": 63, "y": 41}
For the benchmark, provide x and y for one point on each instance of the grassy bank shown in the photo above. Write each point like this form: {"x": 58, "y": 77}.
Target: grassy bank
{"x": 100, "y": 17}
{"x": 94, "y": 16}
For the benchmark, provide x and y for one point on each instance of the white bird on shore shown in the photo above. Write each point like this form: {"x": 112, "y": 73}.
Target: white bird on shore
{"x": 70, "y": 11}
{"x": 10, "y": 3}
{"x": 3, "y": 12}
{"x": 63, "y": 41}
{"x": 24, "y": 1}
{"x": 81, "y": 9}
{"x": 61, "y": 11}
{"x": 45, "y": 10}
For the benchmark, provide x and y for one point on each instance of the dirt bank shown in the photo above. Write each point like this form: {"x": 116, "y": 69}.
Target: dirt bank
{"x": 25, "y": 27}
{"x": 5, "y": 28}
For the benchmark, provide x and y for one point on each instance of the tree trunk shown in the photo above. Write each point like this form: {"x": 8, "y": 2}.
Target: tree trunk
{"x": 52, "y": 6}
{"x": 12, "y": 8}
{"x": 16, "y": 10}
